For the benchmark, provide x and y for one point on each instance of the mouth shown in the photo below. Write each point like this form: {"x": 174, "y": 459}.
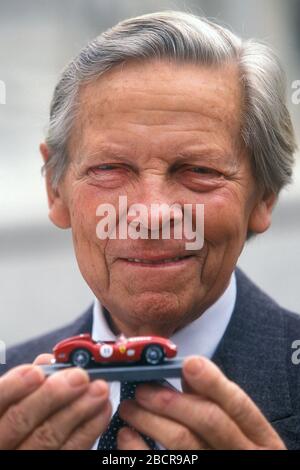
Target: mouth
{"x": 146, "y": 262}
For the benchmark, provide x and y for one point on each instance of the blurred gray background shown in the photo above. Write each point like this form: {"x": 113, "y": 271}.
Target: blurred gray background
{"x": 40, "y": 284}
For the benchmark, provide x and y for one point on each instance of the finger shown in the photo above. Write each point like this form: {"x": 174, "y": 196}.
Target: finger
{"x": 18, "y": 383}
{"x": 168, "y": 433}
{"x": 85, "y": 436}
{"x": 57, "y": 391}
{"x": 128, "y": 439}
{"x": 43, "y": 359}
{"x": 204, "y": 378}
{"x": 205, "y": 418}
{"x": 56, "y": 430}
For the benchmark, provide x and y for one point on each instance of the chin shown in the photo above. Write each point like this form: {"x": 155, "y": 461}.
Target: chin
{"x": 160, "y": 310}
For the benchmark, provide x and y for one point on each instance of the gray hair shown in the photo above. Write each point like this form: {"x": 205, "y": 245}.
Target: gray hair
{"x": 266, "y": 129}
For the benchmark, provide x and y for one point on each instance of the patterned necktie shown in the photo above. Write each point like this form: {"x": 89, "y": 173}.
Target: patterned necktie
{"x": 108, "y": 440}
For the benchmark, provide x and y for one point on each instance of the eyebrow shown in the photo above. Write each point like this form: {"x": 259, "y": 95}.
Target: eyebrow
{"x": 106, "y": 151}
{"x": 211, "y": 155}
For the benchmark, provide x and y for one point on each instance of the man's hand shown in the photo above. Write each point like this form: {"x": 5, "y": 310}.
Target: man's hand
{"x": 64, "y": 411}
{"x": 212, "y": 413}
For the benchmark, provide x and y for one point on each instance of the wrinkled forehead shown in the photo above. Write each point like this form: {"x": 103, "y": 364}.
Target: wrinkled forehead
{"x": 161, "y": 96}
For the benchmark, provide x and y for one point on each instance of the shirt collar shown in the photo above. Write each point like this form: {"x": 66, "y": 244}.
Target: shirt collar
{"x": 200, "y": 337}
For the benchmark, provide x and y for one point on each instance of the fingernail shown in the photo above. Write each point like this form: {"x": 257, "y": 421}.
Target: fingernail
{"x": 97, "y": 389}
{"x": 194, "y": 366}
{"x": 76, "y": 377}
{"x": 32, "y": 376}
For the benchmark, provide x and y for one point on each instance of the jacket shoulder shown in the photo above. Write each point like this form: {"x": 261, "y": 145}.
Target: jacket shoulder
{"x": 249, "y": 292}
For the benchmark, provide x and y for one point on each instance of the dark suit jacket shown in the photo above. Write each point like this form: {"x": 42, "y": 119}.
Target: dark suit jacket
{"x": 255, "y": 352}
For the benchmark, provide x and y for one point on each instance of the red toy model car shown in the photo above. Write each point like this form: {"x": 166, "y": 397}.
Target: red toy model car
{"x": 83, "y": 351}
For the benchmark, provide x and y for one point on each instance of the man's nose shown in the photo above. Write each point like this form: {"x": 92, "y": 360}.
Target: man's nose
{"x": 156, "y": 214}
{"x": 155, "y": 206}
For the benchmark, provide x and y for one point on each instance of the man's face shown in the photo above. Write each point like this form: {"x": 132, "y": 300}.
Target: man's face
{"x": 159, "y": 133}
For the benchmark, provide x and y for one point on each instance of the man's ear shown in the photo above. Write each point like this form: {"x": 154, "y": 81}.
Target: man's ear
{"x": 58, "y": 210}
{"x": 261, "y": 216}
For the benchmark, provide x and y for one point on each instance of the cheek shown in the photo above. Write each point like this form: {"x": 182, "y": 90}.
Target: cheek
{"x": 224, "y": 220}
{"x": 84, "y": 220}
{"x": 89, "y": 249}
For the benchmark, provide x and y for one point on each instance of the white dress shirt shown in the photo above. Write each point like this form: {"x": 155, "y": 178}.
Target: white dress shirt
{"x": 201, "y": 337}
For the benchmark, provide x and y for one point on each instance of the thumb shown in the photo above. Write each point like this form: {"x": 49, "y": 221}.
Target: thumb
{"x": 43, "y": 359}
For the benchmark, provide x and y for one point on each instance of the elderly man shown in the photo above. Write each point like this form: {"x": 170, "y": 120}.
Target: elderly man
{"x": 167, "y": 108}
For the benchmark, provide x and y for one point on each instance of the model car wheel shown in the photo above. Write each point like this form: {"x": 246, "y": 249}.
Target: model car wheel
{"x": 81, "y": 358}
{"x": 153, "y": 354}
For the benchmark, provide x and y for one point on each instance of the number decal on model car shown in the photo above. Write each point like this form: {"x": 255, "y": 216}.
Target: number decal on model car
{"x": 106, "y": 350}
{"x": 130, "y": 352}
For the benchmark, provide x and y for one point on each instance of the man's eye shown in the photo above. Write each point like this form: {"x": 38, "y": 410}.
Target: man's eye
{"x": 105, "y": 167}
{"x": 204, "y": 171}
